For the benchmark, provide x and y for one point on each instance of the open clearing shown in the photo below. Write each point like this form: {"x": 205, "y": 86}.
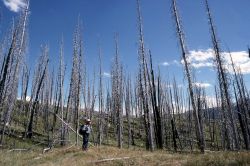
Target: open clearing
{"x": 113, "y": 156}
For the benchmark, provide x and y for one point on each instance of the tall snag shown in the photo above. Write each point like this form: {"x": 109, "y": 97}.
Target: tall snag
{"x": 117, "y": 94}
{"x": 74, "y": 96}
{"x": 143, "y": 83}
{"x": 231, "y": 130}
{"x": 128, "y": 109}
{"x": 180, "y": 33}
{"x": 59, "y": 95}
{"x": 10, "y": 70}
{"x": 155, "y": 105}
{"x": 100, "y": 100}
{"x": 39, "y": 76}
{"x": 241, "y": 104}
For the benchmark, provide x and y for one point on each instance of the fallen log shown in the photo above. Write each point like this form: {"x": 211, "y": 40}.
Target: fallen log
{"x": 18, "y": 150}
{"x": 110, "y": 159}
{"x": 46, "y": 149}
{"x": 118, "y": 158}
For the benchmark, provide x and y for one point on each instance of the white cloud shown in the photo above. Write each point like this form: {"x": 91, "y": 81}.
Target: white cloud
{"x": 202, "y": 85}
{"x": 14, "y": 5}
{"x": 106, "y": 74}
{"x": 174, "y": 62}
{"x": 201, "y": 64}
{"x": 169, "y": 86}
{"x": 200, "y": 58}
{"x": 165, "y": 64}
{"x": 27, "y": 98}
{"x": 201, "y": 55}
{"x": 241, "y": 60}
{"x": 205, "y": 58}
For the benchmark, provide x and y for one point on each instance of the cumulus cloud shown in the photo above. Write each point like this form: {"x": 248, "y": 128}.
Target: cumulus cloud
{"x": 205, "y": 58}
{"x": 14, "y": 5}
{"x": 202, "y": 85}
{"x": 201, "y": 55}
{"x": 241, "y": 60}
{"x": 200, "y": 58}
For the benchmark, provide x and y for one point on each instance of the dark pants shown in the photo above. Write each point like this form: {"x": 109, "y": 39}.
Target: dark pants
{"x": 85, "y": 141}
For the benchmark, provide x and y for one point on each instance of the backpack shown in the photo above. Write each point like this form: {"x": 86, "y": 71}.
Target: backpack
{"x": 82, "y": 130}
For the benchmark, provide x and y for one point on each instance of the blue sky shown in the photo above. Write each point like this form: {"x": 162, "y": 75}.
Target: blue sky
{"x": 51, "y": 19}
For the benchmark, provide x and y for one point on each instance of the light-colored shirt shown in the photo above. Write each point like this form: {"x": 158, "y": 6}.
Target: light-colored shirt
{"x": 87, "y": 128}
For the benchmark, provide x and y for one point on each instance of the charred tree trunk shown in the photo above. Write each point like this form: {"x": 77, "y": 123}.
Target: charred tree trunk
{"x": 198, "y": 127}
{"x": 230, "y": 120}
{"x": 144, "y": 84}
{"x": 155, "y": 105}
{"x": 36, "y": 101}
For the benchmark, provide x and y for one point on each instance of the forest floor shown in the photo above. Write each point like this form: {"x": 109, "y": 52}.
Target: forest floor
{"x": 107, "y": 155}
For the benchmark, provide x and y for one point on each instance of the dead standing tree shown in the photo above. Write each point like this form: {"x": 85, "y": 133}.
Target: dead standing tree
{"x": 76, "y": 79}
{"x": 59, "y": 96}
{"x": 143, "y": 83}
{"x": 117, "y": 94}
{"x": 61, "y": 79}
{"x": 101, "y": 101}
{"x": 74, "y": 96}
{"x": 37, "y": 86}
{"x": 25, "y": 84}
{"x": 45, "y": 104}
{"x": 128, "y": 108}
{"x": 180, "y": 34}
{"x": 155, "y": 102}
{"x": 10, "y": 69}
{"x": 230, "y": 125}
{"x": 241, "y": 104}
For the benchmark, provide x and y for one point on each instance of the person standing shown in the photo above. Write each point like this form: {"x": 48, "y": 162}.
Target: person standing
{"x": 85, "y": 131}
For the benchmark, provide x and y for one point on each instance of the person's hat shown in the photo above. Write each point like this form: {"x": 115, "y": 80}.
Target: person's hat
{"x": 88, "y": 120}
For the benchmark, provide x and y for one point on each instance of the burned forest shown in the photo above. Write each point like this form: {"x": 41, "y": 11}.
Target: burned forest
{"x": 45, "y": 105}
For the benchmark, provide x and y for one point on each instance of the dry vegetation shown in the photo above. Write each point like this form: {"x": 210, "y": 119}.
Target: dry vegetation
{"x": 106, "y": 155}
